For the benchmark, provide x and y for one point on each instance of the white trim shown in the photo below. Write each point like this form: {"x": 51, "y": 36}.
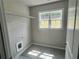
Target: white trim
{"x": 70, "y": 50}
{"x": 51, "y": 46}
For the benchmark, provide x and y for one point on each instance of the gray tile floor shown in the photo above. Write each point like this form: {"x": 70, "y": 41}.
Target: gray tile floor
{"x": 39, "y": 52}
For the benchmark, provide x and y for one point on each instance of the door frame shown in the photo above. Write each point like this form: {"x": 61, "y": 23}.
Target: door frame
{"x": 2, "y": 43}
{"x": 4, "y": 30}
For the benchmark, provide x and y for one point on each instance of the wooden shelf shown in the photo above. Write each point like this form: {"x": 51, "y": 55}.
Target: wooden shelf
{"x": 10, "y": 13}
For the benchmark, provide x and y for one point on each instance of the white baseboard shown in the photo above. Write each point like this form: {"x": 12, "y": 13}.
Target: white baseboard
{"x": 49, "y": 46}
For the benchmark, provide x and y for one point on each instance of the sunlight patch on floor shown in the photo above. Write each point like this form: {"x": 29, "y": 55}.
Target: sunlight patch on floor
{"x": 41, "y": 54}
{"x": 34, "y": 53}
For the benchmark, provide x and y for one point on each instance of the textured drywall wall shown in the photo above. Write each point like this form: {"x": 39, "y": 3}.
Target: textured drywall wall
{"x": 53, "y": 37}
{"x": 18, "y": 27}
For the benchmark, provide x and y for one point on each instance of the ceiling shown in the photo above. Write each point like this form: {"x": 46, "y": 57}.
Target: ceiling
{"x": 35, "y": 2}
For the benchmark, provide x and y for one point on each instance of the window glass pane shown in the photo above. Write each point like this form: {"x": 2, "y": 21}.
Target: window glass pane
{"x": 43, "y": 24}
{"x": 56, "y": 24}
{"x": 56, "y": 15}
{"x": 44, "y": 16}
{"x": 56, "y": 19}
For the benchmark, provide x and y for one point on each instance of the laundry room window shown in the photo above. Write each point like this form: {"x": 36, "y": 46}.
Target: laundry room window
{"x": 50, "y": 19}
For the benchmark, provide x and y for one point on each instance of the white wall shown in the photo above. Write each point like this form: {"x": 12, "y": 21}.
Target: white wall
{"x": 51, "y": 37}
{"x": 18, "y": 27}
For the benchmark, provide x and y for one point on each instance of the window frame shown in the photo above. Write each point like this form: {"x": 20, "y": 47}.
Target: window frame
{"x": 49, "y": 21}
